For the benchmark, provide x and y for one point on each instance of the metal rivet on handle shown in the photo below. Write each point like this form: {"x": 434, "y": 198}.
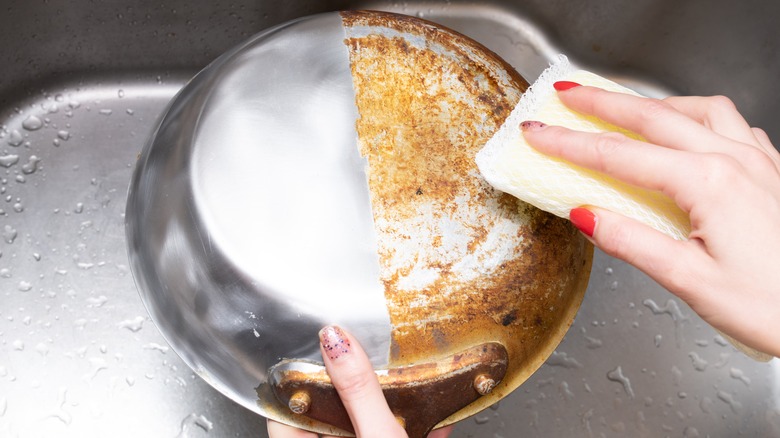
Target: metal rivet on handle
{"x": 300, "y": 402}
{"x": 484, "y": 384}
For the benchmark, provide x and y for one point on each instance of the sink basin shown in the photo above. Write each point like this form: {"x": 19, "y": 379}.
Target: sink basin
{"x": 83, "y": 85}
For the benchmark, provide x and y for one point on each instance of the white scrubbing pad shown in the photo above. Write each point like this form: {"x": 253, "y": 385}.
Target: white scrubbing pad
{"x": 508, "y": 163}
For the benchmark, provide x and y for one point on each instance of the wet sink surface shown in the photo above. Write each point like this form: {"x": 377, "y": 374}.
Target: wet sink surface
{"x": 81, "y": 89}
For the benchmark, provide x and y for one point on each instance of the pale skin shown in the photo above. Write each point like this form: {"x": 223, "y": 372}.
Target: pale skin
{"x": 357, "y": 385}
{"x": 701, "y": 153}
{"x": 726, "y": 175}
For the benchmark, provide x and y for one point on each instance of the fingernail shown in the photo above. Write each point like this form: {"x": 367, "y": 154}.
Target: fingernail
{"x": 565, "y": 85}
{"x": 584, "y": 220}
{"x": 334, "y": 342}
{"x": 531, "y": 125}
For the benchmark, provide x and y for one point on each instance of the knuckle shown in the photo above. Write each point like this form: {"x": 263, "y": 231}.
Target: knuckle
{"x": 653, "y": 109}
{"x": 756, "y": 159}
{"x": 353, "y": 386}
{"x": 607, "y": 145}
{"x": 721, "y": 104}
{"x": 719, "y": 168}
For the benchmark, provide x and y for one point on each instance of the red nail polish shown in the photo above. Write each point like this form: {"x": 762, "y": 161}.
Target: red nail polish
{"x": 531, "y": 125}
{"x": 584, "y": 220}
{"x": 565, "y": 85}
{"x": 334, "y": 342}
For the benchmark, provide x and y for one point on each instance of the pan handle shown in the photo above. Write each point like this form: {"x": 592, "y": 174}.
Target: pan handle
{"x": 420, "y": 395}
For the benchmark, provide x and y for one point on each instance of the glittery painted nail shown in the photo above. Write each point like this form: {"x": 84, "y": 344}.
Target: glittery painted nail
{"x": 334, "y": 342}
{"x": 531, "y": 125}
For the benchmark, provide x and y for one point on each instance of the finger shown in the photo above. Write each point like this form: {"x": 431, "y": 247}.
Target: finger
{"x": 444, "y": 432}
{"x": 355, "y": 381}
{"x": 631, "y": 161}
{"x": 643, "y": 247}
{"x": 763, "y": 139}
{"x": 279, "y": 430}
{"x": 766, "y": 144}
{"x": 655, "y": 120}
{"x": 717, "y": 113}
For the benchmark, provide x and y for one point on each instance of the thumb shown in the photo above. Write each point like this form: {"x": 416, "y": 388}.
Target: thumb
{"x": 355, "y": 381}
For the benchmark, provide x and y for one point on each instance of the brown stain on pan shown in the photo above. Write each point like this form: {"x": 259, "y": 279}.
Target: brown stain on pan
{"x": 461, "y": 263}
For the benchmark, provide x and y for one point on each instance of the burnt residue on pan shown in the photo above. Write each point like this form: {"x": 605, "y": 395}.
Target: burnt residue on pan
{"x": 461, "y": 262}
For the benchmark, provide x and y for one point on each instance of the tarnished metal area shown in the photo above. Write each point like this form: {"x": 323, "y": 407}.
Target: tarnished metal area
{"x": 460, "y": 262}
{"x": 419, "y": 395}
{"x": 323, "y": 172}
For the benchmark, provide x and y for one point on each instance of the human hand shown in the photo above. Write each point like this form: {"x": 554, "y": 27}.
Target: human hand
{"x": 357, "y": 385}
{"x": 701, "y": 153}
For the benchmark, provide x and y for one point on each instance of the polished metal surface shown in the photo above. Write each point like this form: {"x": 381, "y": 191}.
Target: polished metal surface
{"x": 249, "y": 220}
{"x": 78, "y": 353}
{"x": 271, "y": 201}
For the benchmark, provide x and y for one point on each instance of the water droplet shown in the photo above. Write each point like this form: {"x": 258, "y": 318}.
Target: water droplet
{"x": 720, "y": 340}
{"x": 705, "y": 405}
{"x": 120, "y": 93}
{"x": 194, "y": 420}
{"x": 130, "y": 380}
{"x": 31, "y": 166}
{"x": 96, "y": 301}
{"x": 37, "y": 257}
{"x": 98, "y": 364}
{"x": 129, "y": 112}
{"x": 3, "y": 406}
{"x": 561, "y": 359}
{"x": 658, "y": 339}
{"x": 18, "y": 345}
{"x": 9, "y": 234}
{"x": 565, "y": 390}
{"x": 699, "y": 363}
{"x": 702, "y": 342}
{"x": 157, "y": 347}
{"x": 42, "y": 348}
{"x": 61, "y": 414}
{"x": 134, "y": 325}
{"x": 24, "y": 286}
{"x": 677, "y": 375}
{"x": 609, "y": 271}
{"x": 16, "y": 138}
{"x": 32, "y": 123}
{"x": 690, "y": 432}
{"x": 736, "y": 373}
{"x": 593, "y": 343}
{"x": 9, "y": 160}
{"x": 257, "y": 335}
{"x": 18, "y": 207}
{"x": 727, "y": 398}
{"x": 616, "y": 375}
{"x": 79, "y": 208}
{"x": 63, "y": 135}
{"x": 672, "y": 309}
{"x": 106, "y": 112}
{"x": 481, "y": 419}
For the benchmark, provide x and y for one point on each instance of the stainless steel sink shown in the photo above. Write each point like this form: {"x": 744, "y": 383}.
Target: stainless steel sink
{"x": 82, "y": 85}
